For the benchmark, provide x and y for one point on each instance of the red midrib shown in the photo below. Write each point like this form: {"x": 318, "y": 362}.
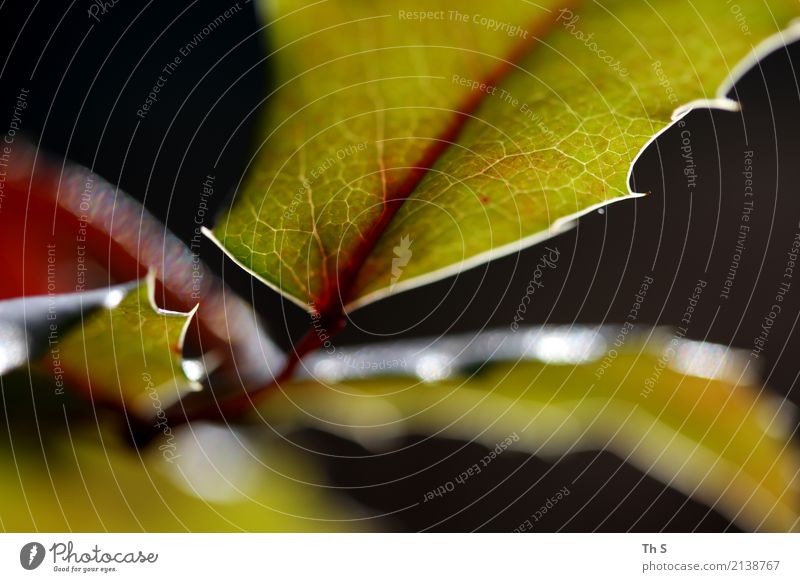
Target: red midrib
{"x": 338, "y": 293}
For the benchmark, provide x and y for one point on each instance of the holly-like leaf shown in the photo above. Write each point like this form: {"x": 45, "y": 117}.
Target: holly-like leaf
{"x": 684, "y": 412}
{"x": 408, "y": 140}
{"x": 130, "y": 354}
{"x": 71, "y": 239}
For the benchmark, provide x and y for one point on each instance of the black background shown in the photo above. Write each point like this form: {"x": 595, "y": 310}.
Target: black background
{"x": 88, "y": 79}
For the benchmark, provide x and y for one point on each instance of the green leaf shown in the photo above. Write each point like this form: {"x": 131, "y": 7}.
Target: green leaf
{"x": 397, "y": 151}
{"x": 129, "y": 354}
{"x": 80, "y": 239}
{"x": 684, "y": 412}
{"x": 28, "y": 324}
{"x": 69, "y": 470}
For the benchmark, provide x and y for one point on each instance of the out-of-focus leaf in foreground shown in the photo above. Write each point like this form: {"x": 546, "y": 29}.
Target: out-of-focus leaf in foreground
{"x": 408, "y": 140}
{"x": 131, "y": 354}
{"x": 684, "y": 412}
{"x": 70, "y": 471}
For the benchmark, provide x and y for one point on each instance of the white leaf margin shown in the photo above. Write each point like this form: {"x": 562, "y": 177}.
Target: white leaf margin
{"x": 722, "y": 102}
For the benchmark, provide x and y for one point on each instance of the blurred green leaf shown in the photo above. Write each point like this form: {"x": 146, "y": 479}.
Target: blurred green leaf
{"x": 409, "y": 139}
{"x": 129, "y": 354}
{"x": 67, "y": 469}
{"x": 683, "y": 412}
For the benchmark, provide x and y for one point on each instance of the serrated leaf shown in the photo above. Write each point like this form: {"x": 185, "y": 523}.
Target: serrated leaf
{"x": 129, "y": 354}
{"x": 478, "y": 130}
{"x": 683, "y": 412}
{"x": 70, "y": 238}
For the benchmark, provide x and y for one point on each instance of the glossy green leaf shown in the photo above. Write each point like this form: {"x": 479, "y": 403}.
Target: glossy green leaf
{"x": 129, "y": 354}
{"x": 408, "y": 140}
{"x": 683, "y": 412}
{"x": 66, "y": 470}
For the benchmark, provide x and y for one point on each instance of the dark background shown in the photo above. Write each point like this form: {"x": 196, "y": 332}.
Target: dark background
{"x": 87, "y": 80}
